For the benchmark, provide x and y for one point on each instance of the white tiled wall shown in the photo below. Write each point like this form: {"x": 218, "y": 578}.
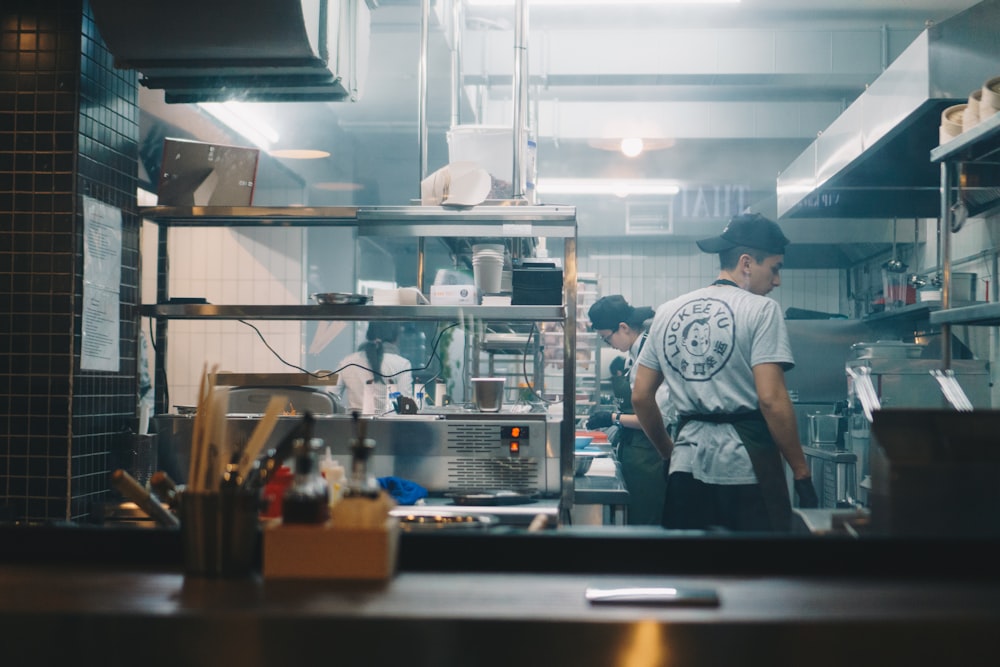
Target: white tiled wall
{"x": 228, "y": 266}
{"x": 648, "y": 272}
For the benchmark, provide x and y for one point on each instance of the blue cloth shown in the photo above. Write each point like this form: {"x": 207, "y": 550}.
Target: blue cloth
{"x": 403, "y": 491}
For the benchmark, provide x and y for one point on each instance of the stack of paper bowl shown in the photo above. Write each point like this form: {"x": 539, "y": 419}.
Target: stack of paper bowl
{"x": 989, "y": 103}
{"x": 970, "y": 118}
{"x": 951, "y": 122}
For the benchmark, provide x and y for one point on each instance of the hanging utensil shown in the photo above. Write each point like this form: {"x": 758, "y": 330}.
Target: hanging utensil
{"x": 894, "y": 265}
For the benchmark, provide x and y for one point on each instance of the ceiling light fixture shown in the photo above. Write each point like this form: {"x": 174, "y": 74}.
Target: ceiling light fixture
{"x": 631, "y": 146}
{"x": 620, "y": 187}
{"x": 578, "y": 3}
{"x": 299, "y": 153}
{"x": 239, "y": 118}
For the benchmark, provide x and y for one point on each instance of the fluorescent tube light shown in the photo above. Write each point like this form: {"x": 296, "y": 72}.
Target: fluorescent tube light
{"x": 620, "y": 187}
{"x": 580, "y": 3}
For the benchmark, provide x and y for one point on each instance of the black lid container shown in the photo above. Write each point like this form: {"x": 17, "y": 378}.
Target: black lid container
{"x": 536, "y": 285}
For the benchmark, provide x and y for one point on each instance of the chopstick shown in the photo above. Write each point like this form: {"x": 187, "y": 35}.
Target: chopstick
{"x": 260, "y": 434}
{"x": 203, "y": 431}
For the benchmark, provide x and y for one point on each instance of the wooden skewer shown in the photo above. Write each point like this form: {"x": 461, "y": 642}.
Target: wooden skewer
{"x": 260, "y": 434}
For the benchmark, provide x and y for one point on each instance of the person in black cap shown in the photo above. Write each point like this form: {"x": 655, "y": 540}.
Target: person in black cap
{"x": 624, "y": 328}
{"x": 722, "y": 351}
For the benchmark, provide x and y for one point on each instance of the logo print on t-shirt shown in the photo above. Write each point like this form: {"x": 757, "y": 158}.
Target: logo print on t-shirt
{"x": 699, "y": 338}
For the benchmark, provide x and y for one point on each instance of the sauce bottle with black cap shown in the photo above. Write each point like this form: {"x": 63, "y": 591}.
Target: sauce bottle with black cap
{"x": 307, "y": 499}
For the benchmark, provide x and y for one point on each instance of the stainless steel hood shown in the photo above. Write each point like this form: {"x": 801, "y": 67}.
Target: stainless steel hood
{"x": 874, "y": 160}
{"x": 255, "y": 50}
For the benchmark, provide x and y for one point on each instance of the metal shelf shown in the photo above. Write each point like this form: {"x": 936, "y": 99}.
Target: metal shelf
{"x": 980, "y": 143}
{"x": 410, "y": 221}
{"x": 360, "y": 313}
{"x": 983, "y": 314}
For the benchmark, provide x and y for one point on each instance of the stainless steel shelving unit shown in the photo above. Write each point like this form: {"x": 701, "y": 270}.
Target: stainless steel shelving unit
{"x": 970, "y": 180}
{"x": 510, "y": 221}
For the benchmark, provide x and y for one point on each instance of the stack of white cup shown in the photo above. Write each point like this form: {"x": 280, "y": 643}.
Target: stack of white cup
{"x": 487, "y": 266}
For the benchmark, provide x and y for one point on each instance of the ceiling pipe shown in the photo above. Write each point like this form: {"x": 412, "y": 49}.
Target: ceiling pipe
{"x": 457, "y": 22}
{"x": 425, "y": 11}
{"x": 520, "y": 99}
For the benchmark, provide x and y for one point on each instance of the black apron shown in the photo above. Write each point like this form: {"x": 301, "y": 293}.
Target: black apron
{"x": 765, "y": 458}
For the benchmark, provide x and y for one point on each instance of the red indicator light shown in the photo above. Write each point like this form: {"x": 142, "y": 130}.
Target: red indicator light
{"x": 515, "y": 432}
{"x": 515, "y": 447}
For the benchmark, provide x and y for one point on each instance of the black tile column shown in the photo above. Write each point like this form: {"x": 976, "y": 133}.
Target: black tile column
{"x": 68, "y": 129}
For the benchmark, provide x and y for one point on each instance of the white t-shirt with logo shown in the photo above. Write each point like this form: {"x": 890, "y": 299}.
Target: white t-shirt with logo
{"x": 706, "y": 343}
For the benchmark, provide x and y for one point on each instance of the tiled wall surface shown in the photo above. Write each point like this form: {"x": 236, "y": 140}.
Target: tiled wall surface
{"x": 228, "y": 266}
{"x": 648, "y": 272}
{"x": 68, "y": 127}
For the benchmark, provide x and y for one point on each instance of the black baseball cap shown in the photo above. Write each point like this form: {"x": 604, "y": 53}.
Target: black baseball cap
{"x": 751, "y": 230}
{"x": 609, "y": 311}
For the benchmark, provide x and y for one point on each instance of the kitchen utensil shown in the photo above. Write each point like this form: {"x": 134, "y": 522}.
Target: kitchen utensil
{"x": 894, "y": 265}
{"x": 582, "y": 441}
{"x": 887, "y": 349}
{"x": 260, "y": 435}
{"x": 489, "y": 498}
{"x": 824, "y": 429}
{"x": 952, "y": 390}
{"x": 126, "y": 485}
{"x": 415, "y": 521}
{"x": 583, "y": 460}
{"x": 340, "y": 299}
{"x": 164, "y": 487}
{"x": 865, "y": 390}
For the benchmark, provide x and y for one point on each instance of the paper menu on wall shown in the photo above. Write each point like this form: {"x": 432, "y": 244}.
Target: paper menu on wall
{"x": 102, "y": 271}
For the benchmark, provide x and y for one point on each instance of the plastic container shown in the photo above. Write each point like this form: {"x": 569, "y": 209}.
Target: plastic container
{"x": 492, "y": 148}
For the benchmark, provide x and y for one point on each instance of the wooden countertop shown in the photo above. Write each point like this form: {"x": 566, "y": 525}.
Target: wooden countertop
{"x": 55, "y": 614}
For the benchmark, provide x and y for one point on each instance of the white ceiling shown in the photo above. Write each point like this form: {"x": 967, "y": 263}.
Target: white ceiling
{"x": 741, "y": 90}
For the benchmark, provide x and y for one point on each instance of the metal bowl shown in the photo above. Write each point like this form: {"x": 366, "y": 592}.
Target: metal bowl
{"x": 433, "y": 522}
{"x": 582, "y": 465}
{"x": 340, "y": 299}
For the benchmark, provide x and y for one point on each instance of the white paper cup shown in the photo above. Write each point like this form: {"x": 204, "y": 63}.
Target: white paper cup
{"x": 487, "y": 272}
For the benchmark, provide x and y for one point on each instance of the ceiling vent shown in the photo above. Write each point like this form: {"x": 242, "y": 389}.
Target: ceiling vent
{"x": 249, "y": 50}
{"x": 649, "y": 218}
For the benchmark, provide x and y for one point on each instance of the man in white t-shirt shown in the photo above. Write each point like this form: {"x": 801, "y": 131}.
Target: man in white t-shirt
{"x": 722, "y": 351}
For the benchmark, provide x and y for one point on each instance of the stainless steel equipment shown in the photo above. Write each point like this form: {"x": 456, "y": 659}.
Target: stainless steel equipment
{"x": 452, "y": 452}
{"x": 902, "y": 383}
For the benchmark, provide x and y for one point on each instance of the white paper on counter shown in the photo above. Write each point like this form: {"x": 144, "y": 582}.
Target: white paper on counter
{"x": 602, "y": 467}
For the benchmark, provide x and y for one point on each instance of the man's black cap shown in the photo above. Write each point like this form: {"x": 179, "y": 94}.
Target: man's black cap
{"x": 751, "y": 230}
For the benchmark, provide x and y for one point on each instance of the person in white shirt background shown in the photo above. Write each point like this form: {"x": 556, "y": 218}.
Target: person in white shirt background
{"x": 376, "y": 368}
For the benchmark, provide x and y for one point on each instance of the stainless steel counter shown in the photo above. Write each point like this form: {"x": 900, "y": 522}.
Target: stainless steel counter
{"x": 607, "y": 490}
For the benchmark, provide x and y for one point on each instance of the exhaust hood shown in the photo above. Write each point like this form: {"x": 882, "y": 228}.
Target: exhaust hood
{"x": 874, "y": 159}
{"x": 250, "y": 50}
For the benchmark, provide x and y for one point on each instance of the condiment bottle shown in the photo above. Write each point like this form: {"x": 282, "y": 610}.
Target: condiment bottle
{"x": 335, "y": 476}
{"x": 307, "y": 499}
{"x": 274, "y": 491}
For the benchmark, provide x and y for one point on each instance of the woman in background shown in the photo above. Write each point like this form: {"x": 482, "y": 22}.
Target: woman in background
{"x": 625, "y": 328}
{"x": 375, "y": 365}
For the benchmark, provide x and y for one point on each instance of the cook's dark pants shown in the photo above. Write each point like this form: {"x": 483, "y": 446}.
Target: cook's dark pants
{"x": 642, "y": 472}
{"x": 761, "y": 506}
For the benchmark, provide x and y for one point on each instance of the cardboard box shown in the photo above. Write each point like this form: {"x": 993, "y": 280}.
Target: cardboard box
{"x": 454, "y": 295}
{"x": 301, "y": 551}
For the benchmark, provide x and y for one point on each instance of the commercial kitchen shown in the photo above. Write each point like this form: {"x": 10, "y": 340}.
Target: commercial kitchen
{"x": 206, "y": 204}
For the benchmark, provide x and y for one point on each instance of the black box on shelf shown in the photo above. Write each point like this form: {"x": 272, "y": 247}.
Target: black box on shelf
{"x": 539, "y": 284}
